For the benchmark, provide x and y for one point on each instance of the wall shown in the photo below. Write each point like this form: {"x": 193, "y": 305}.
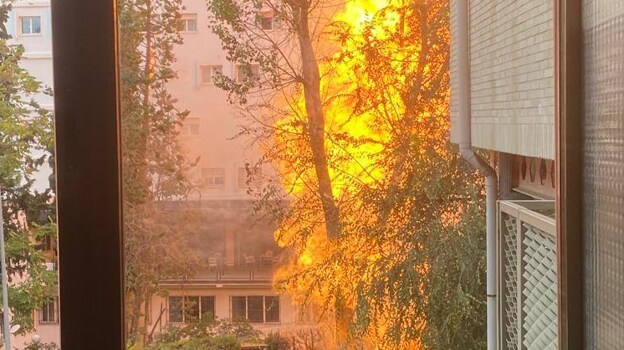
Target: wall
{"x": 289, "y": 314}
{"x": 219, "y": 122}
{"x": 512, "y": 76}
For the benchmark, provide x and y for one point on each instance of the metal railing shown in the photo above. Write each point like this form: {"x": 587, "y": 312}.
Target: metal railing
{"x": 527, "y": 275}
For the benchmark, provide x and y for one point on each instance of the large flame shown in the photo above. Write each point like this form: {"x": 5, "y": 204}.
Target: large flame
{"x": 356, "y": 134}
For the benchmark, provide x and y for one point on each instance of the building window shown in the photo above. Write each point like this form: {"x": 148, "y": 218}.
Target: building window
{"x": 148, "y": 312}
{"x": 184, "y": 309}
{"x": 30, "y": 25}
{"x": 249, "y": 180}
{"x": 213, "y": 177}
{"x": 208, "y": 73}
{"x": 271, "y": 309}
{"x": 191, "y": 127}
{"x": 187, "y": 23}
{"x": 256, "y": 309}
{"x": 246, "y": 72}
{"x": 268, "y": 21}
{"x": 48, "y": 313}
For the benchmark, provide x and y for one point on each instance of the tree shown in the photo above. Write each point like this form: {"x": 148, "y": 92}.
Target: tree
{"x": 289, "y": 62}
{"x": 154, "y": 165}
{"x": 409, "y": 253}
{"x": 26, "y": 136}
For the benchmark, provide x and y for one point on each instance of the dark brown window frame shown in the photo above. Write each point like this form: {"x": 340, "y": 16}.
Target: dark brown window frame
{"x": 568, "y": 171}
{"x": 88, "y": 174}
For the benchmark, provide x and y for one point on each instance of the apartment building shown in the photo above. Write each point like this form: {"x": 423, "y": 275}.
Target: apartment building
{"x": 29, "y": 24}
{"x": 237, "y": 253}
{"x": 538, "y": 87}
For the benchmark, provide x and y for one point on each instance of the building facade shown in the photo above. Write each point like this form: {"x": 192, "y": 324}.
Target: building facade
{"x": 29, "y": 24}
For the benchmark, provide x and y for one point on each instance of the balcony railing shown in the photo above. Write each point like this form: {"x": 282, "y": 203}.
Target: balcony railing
{"x": 527, "y": 275}
{"x": 248, "y": 272}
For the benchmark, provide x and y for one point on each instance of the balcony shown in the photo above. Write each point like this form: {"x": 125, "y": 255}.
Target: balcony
{"x": 249, "y": 270}
{"x": 527, "y": 275}
{"x": 252, "y": 271}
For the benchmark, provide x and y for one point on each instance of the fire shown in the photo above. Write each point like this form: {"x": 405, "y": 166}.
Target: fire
{"x": 358, "y": 13}
{"x": 365, "y": 114}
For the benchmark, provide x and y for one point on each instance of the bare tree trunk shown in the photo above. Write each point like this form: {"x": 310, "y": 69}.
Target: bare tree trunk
{"x": 316, "y": 125}
{"x": 316, "y": 129}
{"x": 141, "y": 331}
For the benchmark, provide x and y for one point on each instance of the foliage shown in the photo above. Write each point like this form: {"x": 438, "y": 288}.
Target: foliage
{"x": 423, "y": 250}
{"x": 276, "y": 341}
{"x": 154, "y": 166}
{"x": 41, "y": 346}
{"x": 212, "y": 334}
{"x": 26, "y": 138}
{"x": 408, "y": 267}
{"x": 301, "y": 339}
{"x": 287, "y": 61}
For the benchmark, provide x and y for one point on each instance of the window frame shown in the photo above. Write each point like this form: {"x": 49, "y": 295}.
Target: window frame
{"x": 55, "y": 314}
{"x": 185, "y": 18}
{"x": 214, "y": 185}
{"x": 184, "y": 311}
{"x": 20, "y": 25}
{"x": 200, "y": 73}
{"x": 569, "y": 68}
{"x": 191, "y": 127}
{"x": 85, "y": 68}
{"x": 264, "y": 308}
{"x": 267, "y": 18}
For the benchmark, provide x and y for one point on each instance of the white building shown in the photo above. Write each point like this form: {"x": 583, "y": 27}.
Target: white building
{"x": 29, "y": 24}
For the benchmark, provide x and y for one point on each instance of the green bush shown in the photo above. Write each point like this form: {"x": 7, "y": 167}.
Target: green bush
{"x": 41, "y": 346}
{"x": 276, "y": 341}
{"x": 211, "y": 334}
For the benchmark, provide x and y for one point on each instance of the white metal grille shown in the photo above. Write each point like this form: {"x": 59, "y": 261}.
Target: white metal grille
{"x": 539, "y": 292}
{"x": 510, "y": 253}
{"x": 527, "y": 276}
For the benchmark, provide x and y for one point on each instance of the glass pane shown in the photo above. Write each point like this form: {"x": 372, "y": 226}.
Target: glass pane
{"x": 603, "y": 164}
{"x": 207, "y": 307}
{"x": 206, "y": 74}
{"x": 255, "y": 309}
{"x": 27, "y": 173}
{"x": 272, "y": 311}
{"x": 36, "y": 25}
{"x": 176, "y": 308}
{"x": 239, "y": 308}
{"x": 191, "y": 25}
{"x": 26, "y": 25}
{"x": 300, "y": 142}
{"x": 191, "y": 309}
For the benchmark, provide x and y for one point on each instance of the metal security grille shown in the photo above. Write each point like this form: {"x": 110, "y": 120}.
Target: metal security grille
{"x": 539, "y": 292}
{"x": 510, "y": 281}
{"x": 527, "y": 275}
